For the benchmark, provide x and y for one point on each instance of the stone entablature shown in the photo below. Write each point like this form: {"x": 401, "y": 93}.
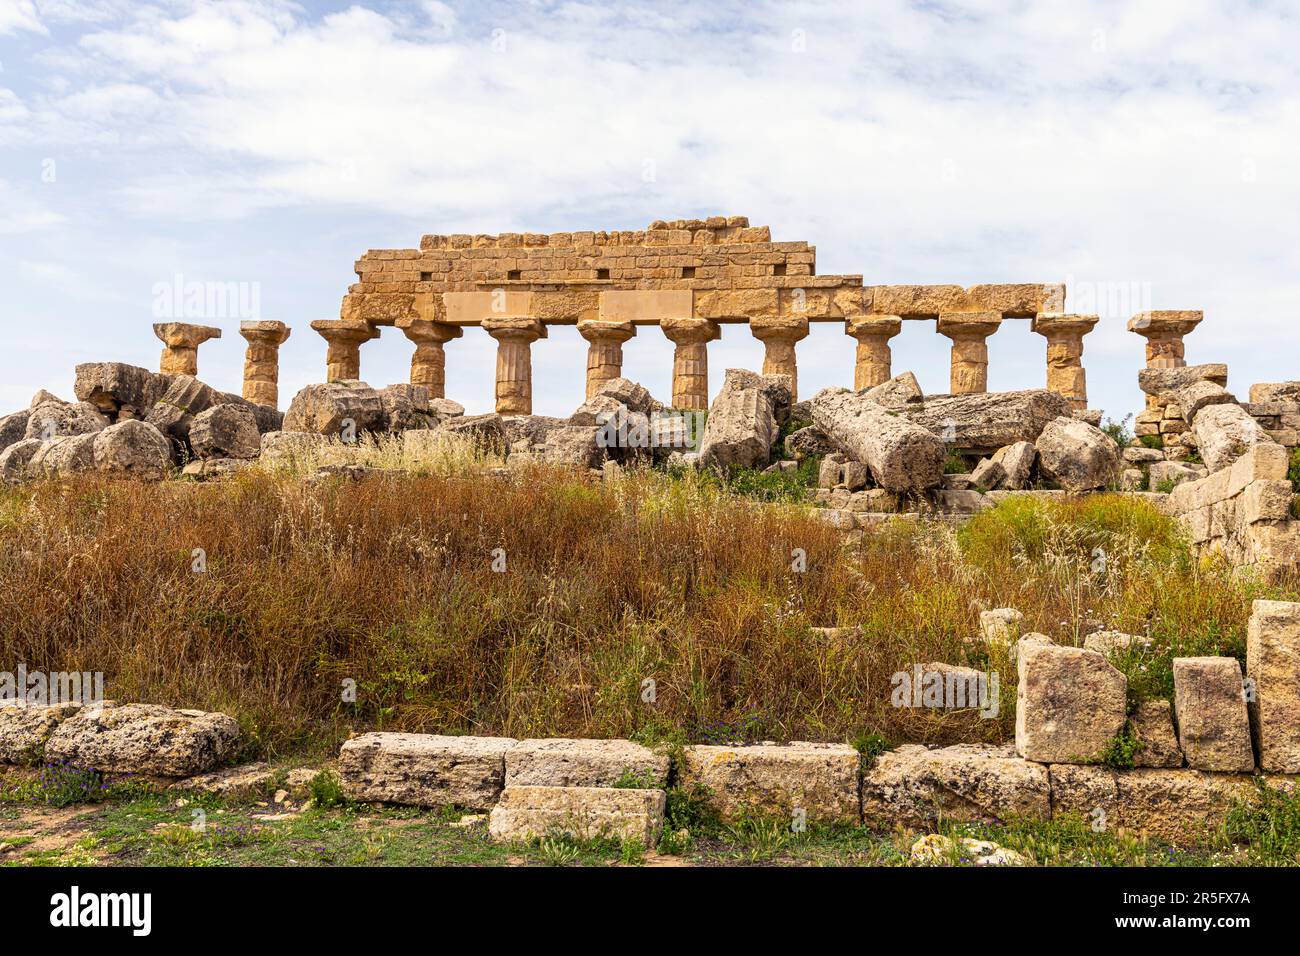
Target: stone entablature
{"x": 687, "y": 276}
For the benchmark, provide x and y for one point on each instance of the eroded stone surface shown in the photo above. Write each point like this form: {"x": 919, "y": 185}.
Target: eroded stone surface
{"x": 1070, "y": 703}
{"x": 820, "y": 779}
{"x": 144, "y": 739}
{"x": 1273, "y": 663}
{"x": 424, "y": 770}
{"x": 566, "y": 762}
{"x": 585, "y": 813}
{"x": 1209, "y": 705}
{"x": 986, "y": 783}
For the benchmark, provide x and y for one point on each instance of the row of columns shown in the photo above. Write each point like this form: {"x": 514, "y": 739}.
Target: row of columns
{"x": 968, "y": 331}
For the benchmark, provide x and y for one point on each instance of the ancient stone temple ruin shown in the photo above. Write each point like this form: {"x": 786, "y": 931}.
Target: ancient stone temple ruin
{"x": 688, "y": 278}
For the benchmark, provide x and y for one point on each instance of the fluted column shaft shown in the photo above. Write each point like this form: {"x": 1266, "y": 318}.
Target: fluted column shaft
{"x": 1065, "y": 372}
{"x": 779, "y": 335}
{"x": 262, "y": 361}
{"x": 343, "y": 355}
{"x": 429, "y": 362}
{"x": 874, "y": 359}
{"x": 605, "y": 351}
{"x": 690, "y": 360}
{"x": 515, "y": 336}
{"x": 969, "y": 332}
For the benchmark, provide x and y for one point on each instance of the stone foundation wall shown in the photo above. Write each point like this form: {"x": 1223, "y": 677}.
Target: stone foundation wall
{"x": 1243, "y": 512}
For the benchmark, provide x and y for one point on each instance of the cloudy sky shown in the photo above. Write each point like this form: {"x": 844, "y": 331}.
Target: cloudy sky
{"x": 1145, "y": 153}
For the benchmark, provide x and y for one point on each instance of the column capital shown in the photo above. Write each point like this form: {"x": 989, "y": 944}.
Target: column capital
{"x": 427, "y": 330}
{"x": 873, "y": 326}
{"x": 1166, "y": 323}
{"x": 345, "y": 331}
{"x": 514, "y": 328}
{"x": 690, "y": 331}
{"x": 184, "y": 335}
{"x": 1062, "y": 324}
{"x": 969, "y": 325}
{"x": 265, "y": 332}
{"x": 606, "y": 330}
{"x": 779, "y": 328}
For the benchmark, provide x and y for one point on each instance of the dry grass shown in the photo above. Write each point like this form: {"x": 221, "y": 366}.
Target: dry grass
{"x": 388, "y": 582}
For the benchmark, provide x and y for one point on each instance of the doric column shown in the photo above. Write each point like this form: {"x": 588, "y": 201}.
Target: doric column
{"x": 1164, "y": 331}
{"x": 691, "y": 360}
{"x": 182, "y": 341}
{"x": 605, "y": 352}
{"x": 343, "y": 357}
{"x": 875, "y": 357}
{"x": 1064, "y": 333}
{"x": 515, "y": 336}
{"x": 429, "y": 363}
{"x": 969, "y": 332}
{"x": 778, "y": 335}
{"x": 262, "y": 361}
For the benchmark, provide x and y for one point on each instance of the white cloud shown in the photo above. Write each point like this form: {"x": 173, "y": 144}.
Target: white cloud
{"x": 1150, "y": 143}
{"x": 18, "y": 15}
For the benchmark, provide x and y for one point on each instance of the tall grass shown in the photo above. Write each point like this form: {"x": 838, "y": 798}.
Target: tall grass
{"x": 388, "y": 584}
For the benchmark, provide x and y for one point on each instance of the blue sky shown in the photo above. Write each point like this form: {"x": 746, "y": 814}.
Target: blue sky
{"x": 1146, "y": 154}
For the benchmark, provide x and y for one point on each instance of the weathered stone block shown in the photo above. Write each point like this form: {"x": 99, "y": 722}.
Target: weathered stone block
{"x": 564, "y": 762}
{"x": 585, "y": 813}
{"x": 26, "y": 728}
{"x": 425, "y": 770}
{"x": 820, "y": 779}
{"x": 325, "y": 409}
{"x": 902, "y": 456}
{"x": 1070, "y": 703}
{"x": 915, "y": 786}
{"x": 132, "y": 449}
{"x": 1213, "y": 727}
{"x": 1153, "y": 726}
{"x": 144, "y": 739}
{"x": 1273, "y": 663}
{"x": 1079, "y": 456}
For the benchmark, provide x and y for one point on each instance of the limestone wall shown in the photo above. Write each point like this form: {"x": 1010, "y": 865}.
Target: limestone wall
{"x": 1243, "y": 512}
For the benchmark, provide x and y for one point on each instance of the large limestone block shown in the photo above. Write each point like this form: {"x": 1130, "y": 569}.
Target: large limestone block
{"x": 982, "y": 422}
{"x": 899, "y": 391}
{"x": 1153, "y": 726}
{"x": 1017, "y": 461}
{"x": 55, "y": 419}
{"x": 1162, "y": 381}
{"x": 15, "y": 459}
{"x": 1070, "y": 703}
{"x": 226, "y": 431}
{"x": 133, "y": 449}
{"x": 903, "y": 457}
{"x": 808, "y": 442}
{"x": 425, "y": 770}
{"x": 630, "y": 394}
{"x": 915, "y": 786}
{"x": 1273, "y": 663}
{"x": 742, "y": 424}
{"x": 819, "y": 779}
{"x": 1224, "y": 433}
{"x": 487, "y": 432}
{"x": 1190, "y": 399}
{"x": 407, "y": 406}
{"x": 1263, "y": 393}
{"x": 576, "y": 446}
{"x": 566, "y": 762}
{"x": 13, "y": 428}
{"x": 584, "y": 813}
{"x": 144, "y": 739}
{"x": 1178, "y": 805}
{"x": 326, "y": 409}
{"x": 1210, "y": 707}
{"x": 116, "y": 388}
{"x": 26, "y": 728}
{"x": 64, "y": 456}
{"x": 185, "y": 397}
{"x": 1079, "y": 456}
